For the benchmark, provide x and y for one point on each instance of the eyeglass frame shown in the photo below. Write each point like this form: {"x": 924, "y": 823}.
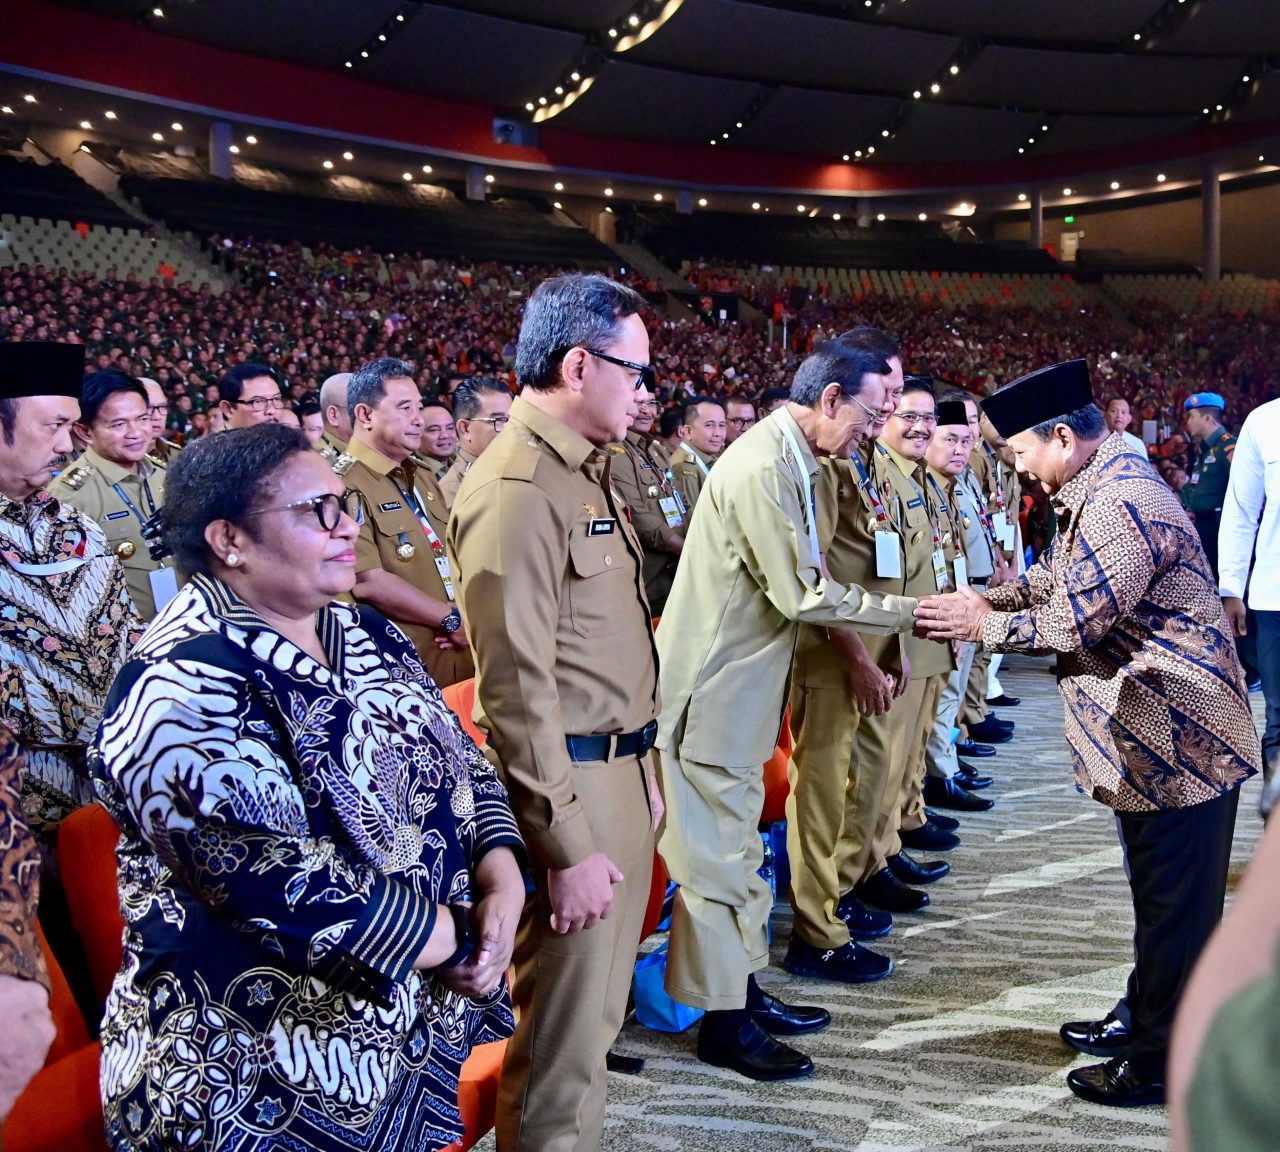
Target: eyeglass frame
{"x": 494, "y": 420}
{"x": 647, "y": 374}
{"x": 317, "y": 504}
{"x": 742, "y": 421}
{"x": 871, "y": 412}
{"x": 913, "y": 418}
{"x": 264, "y": 403}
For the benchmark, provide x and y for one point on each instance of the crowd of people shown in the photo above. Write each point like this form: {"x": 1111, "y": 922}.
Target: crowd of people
{"x": 298, "y": 808}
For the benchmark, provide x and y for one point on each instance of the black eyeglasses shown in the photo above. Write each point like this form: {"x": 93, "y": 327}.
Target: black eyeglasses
{"x": 646, "y": 378}
{"x": 329, "y": 508}
{"x": 742, "y": 421}
{"x": 261, "y": 403}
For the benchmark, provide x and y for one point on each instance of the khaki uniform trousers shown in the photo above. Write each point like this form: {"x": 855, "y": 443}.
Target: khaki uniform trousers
{"x": 570, "y": 992}
{"x": 909, "y": 812}
{"x": 710, "y": 843}
{"x": 974, "y": 710}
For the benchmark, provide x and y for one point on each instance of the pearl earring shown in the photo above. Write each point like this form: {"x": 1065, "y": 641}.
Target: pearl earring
{"x": 232, "y": 559}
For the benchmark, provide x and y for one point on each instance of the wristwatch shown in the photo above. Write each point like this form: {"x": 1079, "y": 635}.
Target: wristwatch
{"x": 451, "y": 623}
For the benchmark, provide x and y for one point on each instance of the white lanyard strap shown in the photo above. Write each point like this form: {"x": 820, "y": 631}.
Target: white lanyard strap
{"x": 797, "y": 463}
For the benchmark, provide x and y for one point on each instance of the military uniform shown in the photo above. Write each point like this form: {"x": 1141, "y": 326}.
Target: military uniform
{"x": 551, "y": 586}
{"x": 1206, "y": 489}
{"x": 330, "y": 447}
{"x": 748, "y": 577}
{"x": 451, "y": 481}
{"x": 657, "y": 512}
{"x": 403, "y": 532}
{"x": 689, "y": 470}
{"x": 120, "y": 502}
{"x": 432, "y": 466}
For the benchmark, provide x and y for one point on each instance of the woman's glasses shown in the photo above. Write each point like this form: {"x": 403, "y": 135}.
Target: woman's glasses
{"x": 329, "y": 508}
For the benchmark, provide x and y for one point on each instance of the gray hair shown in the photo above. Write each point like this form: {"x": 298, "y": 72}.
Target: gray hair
{"x": 575, "y": 311}
{"x": 1088, "y": 423}
{"x": 835, "y": 362}
{"x": 368, "y": 384}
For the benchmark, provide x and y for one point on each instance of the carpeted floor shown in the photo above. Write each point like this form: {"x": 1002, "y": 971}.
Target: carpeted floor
{"x": 958, "y": 1050}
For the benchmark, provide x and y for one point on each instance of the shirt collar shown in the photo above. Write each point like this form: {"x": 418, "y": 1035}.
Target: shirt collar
{"x": 906, "y": 465}
{"x": 112, "y": 472}
{"x": 1215, "y": 436}
{"x": 371, "y": 458}
{"x": 572, "y": 447}
{"x": 1072, "y": 494}
{"x": 27, "y": 512}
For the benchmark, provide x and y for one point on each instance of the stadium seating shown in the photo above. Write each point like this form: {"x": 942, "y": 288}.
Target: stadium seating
{"x": 54, "y": 192}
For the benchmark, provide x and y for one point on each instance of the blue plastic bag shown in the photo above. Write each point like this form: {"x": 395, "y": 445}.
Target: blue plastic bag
{"x": 654, "y": 1008}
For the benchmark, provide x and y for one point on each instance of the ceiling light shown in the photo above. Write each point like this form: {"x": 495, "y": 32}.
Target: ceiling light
{"x": 1066, "y": 191}
{"x": 935, "y": 87}
{"x": 1244, "y": 79}
{"x": 542, "y": 100}
{"x": 409, "y": 176}
{"x": 250, "y": 139}
{"x": 755, "y": 205}
{"x": 86, "y": 125}
{"x": 608, "y": 191}
{"x": 328, "y": 164}
{"x": 1261, "y": 159}
{"x": 559, "y": 186}
{"x": 1021, "y": 151}
{"x": 613, "y": 33}
{"x": 657, "y": 195}
{"x": 799, "y": 207}
{"x": 880, "y": 217}
{"x": 29, "y": 98}
{"x": 9, "y": 112}
{"x": 739, "y": 124}
{"x": 529, "y": 107}
{"x": 835, "y": 215}
{"x": 916, "y": 94}
{"x": 702, "y": 202}
{"x": 400, "y": 17}
{"x": 1044, "y": 127}
{"x": 846, "y": 157}
{"x": 489, "y": 178}
{"x": 955, "y": 69}
{"x": 555, "y": 204}
{"x": 158, "y": 13}
{"x": 923, "y": 216}
{"x": 347, "y": 64}
{"x": 1021, "y": 197}
{"x": 559, "y": 90}
{"x": 575, "y": 76}
{"x": 1115, "y": 185}
{"x": 364, "y": 55}
{"x": 1031, "y": 139}
{"x": 84, "y": 147}
{"x": 234, "y": 149}
{"x": 725, "y": 135}
{"x": 608, "y": 209}
{"x": 1137, "y": 35}
{"x": 885, "y": 133}
{"x": 109, "y": 115}
{"x": 633, "y": 20}
{"x": 858, "y": 154}
{"x": 871, "y": 151}
{"x": 1205, "y": 111}
{"x": 1161, "y": 178}
{"x": 157, "y": 137}
{"x": 1218, "y": 107}
{"x": 427, "y": 169}
{"x": 176, "y": 126}
{"x": 713, "y": 143}
{"x": 382, "y": 37}
{"x": 348, "y": 156}
{"x": 964, "y": 207}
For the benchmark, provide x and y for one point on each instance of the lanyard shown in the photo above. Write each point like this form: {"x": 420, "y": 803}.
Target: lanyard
{"x": 869, "y": 487}
{"x": 411, "y": 498}
{"x": 969, "y": 483}
{"x": 146, "y": 489}
{"x": 944, "y": 509}
{"x": 995, "y": 475}
{"x": 797, "y": 463}
{"x": 698, "y": 461}
{"x": 937, "y": 532}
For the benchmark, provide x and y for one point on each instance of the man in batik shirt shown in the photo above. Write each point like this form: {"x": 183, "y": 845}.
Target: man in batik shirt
{"x": 1157, "y": 710}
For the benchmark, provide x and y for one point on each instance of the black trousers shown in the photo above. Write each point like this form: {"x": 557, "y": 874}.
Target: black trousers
{"x": 1177, "y": 864}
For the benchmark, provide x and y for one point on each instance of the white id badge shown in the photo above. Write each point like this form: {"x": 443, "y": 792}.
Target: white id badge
{"x": 962, "y": 572}
{"x": 940, "y": 577}
{"x": 446, "y": 574}
{"x": 888, "y": 556}
{"x": 671, "y": 510}
{"x": 1008, "y": 536}
{"x": 164, "y": 585}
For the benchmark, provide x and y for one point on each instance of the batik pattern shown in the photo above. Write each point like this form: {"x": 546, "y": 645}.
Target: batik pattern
{"x": 1157, "y": 709}
{"x": 20, "y": 954}
{"x": 286, "y": 827}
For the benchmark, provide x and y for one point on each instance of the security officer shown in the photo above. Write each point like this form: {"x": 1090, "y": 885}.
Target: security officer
{"x": 116, "y": 484}
{"x": 702, "y": 432}
{"x": 568, "y": 691}
{"x": 337, "y": 418}
{"x": 401, "y": 565}
{"x": 657, "y": 511}
{"x": 1205, "y": 490}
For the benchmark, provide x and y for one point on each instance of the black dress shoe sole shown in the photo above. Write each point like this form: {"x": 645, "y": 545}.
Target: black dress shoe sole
{"x": 625, "y": 1065}
{"x": 821, "y": 972}
{"x": 921, "y": 877}
{"x": 755, "y": 1072}
{"x": 930, "y": 842}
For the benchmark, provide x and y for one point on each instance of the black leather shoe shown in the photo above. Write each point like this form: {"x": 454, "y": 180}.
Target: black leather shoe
{"x": 851, "y": 964}
{"x": 863, "y": 923}
{"x": 969, "y": 748}
{"x": 1105, "y": 1037}
{"x": 990, "y": 732}
{"x": 781, "y": 1019}
{"x": 972, "y": 782}
{"x": 749, "y": 1050}
{"x": 1116, "y": 1083}
{"x": 626, "y": 1065}
{"x": 911, "y": 871}
{"x": 930, "y": 837}
{"x": 939, "y": 792}
{"x": 946, "y": 823}
{"x": 1004, "y": 701}
{"x": 885, "y": 890}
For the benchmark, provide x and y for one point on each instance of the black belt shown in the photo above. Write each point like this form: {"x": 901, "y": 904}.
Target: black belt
{"x": 584, "y": 748}
{"x": 980, "y": 581}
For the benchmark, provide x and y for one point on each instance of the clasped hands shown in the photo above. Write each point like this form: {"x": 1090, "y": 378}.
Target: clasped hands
{"x": 954, "y": 616}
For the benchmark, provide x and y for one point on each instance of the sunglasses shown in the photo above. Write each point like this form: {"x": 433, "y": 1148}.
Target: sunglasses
{"x": 646, "y": 377}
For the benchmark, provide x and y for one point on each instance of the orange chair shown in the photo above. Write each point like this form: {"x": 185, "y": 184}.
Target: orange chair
{"x": 61, "y": 1109}
{"x": 776, "y": 785}
{"x": 87, "y": 852}
{"x": 461, "y": 699}
{"x": 657, "y": 897}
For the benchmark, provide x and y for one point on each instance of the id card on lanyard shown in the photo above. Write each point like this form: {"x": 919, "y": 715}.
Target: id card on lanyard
{"x": 438, "y": 553}
{"x": 888, "y": 553}
{"x": 941, "y": 577}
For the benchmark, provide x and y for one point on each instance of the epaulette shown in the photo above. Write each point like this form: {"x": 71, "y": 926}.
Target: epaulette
{"x": 77, "y": 475}
{"x": 616, "y": 449}
{"x": 344, "y": 463}
{"x": 156, "y": 462}
{"x": 523, "y": 461}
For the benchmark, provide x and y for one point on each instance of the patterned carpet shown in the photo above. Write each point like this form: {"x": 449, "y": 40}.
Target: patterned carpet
{"x": 958, "y": 1050}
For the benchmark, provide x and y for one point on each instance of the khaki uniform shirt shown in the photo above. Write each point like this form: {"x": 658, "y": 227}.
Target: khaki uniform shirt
{"x": 910, "y": 504}
{"x": 164, "y": 451}
{"x": 330, "y": 447}
{"x": 451, "y": 481}
{"x": 748, "y": 578}
{"x": 90, "y": 486}
{"x": 689, "y": 471}
{"x": 433, "y": 467}
{"x": 642, "y": 483}
{"x": 661, "y": 452}
{"x": 551, "y": 590}
{"x": 392, "y": 537}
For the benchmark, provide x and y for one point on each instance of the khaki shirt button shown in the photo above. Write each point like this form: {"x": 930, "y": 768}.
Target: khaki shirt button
{"x": 608, "y": 560}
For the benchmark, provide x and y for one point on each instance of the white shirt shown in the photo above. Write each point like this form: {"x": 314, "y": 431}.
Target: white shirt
{"x": 1250, "y": 526}
{"x": 1135, "y": 443}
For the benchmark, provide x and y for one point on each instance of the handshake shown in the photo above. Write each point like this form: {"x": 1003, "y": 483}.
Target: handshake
{"x": 953, "y": 616}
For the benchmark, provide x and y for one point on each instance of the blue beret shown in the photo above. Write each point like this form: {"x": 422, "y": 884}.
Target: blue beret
{"x": 1204, "y": 400}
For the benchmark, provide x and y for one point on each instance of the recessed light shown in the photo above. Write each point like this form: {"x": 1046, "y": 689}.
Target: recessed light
{"x": 739, "y": 124}
{"x": 1137, "y": 35}
{"x": 348, "y": 64}
{"x": 1261, "y": 159}
{"x": 955, "y": 69}
{"x": 885, "y": 133}
{"x": 86, "y": 125}
{"x": 382, "y": 37}
{"x": 364, "y": 55}
{"x": 1161, "y": 178}
{"x": 1021, "y": 197}
{"x": 157, "y": 137}
{"x": 613, "y": 33}
{"x": 176, "y": 126}
{"x": 846, "y": 157}
{"x": 1066, "y": 191}
{"x": 530, "y": 106}
{"x": 657, "y": 195}
{"x": 1218, "y": 107}
{"x": 559, "y": 90}
{"x": 1021, "y": 151}
{"x": 835, "y": 215}
{"x": 29, "y": 98}
{"x": 608, "y": 191}
{"x": 1044, "y": 127}
{"x": 489, "y": 178}
{"x": 633, "y": 20}
{"x": 328, "y": 164}
{"x": 542, "y": 100}
{"x": 935, "y": 88}
{"x": 755, "y": 205}
{"x": 880, "y": 217}
{"x": 1205, "y": 111}
{"x": 409, "y": 176}
{"x": 575, "y": 76}
{"x": 348, "y": 156}
{"x": 555, "y": 204}
{"x": 109, "y": 115}
{"x": 917, "y": 94}
{"x": 799, "y": 207}
{"x": 702, "y": 201}
{"x": 858, "y": 154}
{"x": 871, "y": 150}
{"x": 427, "y": 169}
{"x": 1244, "y": 79}
{"x": 9, "y": 112}
{"x": 250, "y": 139}
{"x": 158, "y": 13}
{"x": 400, "y": 17}
{"x": 1115, "y": 185}
{"x": 84, "y": 147}
{"x": 923, "y": 216}
{"x": 559, "y": 186}
{"x": 234, "y": 149}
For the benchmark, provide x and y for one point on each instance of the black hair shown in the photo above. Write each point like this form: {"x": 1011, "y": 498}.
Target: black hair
{"x": 669, "y": 421}
{"x": 575, "y": 311}
{"x": 1088, "y": 423}
{"x": 221, "y": 478}
{"x": 231, "y": 386}
{"x": 834, "y": 362}
{"x": 918, "y": 384}
{"x": 689, "y": 411}
{"x": 101, "y": 385}
{"x": 8, "y": 418}
{"x": 871, "y": 340}
{"x": 368, "y": 384}
{"x": 772, "y": 396}
{"x": 468, "y": 397}
{"x": 304, "y": 408}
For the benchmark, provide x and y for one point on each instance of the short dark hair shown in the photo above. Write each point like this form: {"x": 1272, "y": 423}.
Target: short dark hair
{"x": 468, "y": 396}
{"x": 834, "y": 362}
{"x": 305, "y": 408}
{"x": 221, "y": 478}
{"x": 231, "y": 386}
{"x": 1088, "y": 423}
{"x": 872, "y": 340}
{"x": 368, "y": 384}
{"x": 101, "y": 385}
{"x": 8, "y": 418}
{"x": 669, "y": 421}
{"x": 918, "y": 384}
{"x": 689, "y": 410}
{"x": 772, "y": 396}
{"x": 580, "y": 310}
{"x": 957, "y": 396}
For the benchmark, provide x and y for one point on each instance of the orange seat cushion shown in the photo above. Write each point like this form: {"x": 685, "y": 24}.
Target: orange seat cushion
{"x": 87, "y": 853}
{"x": 61, "y": 1110}
{"x": 461, "y": 699}
{"x": 478, "y": 1090}
{"x": 776, "y": 787}
{"x": 657, "y": 894}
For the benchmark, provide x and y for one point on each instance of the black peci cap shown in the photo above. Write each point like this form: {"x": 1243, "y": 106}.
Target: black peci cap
{"x": 41, "y": 368}
{"x": 952, "y": 412}
{"x": 1042, "y": 395}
